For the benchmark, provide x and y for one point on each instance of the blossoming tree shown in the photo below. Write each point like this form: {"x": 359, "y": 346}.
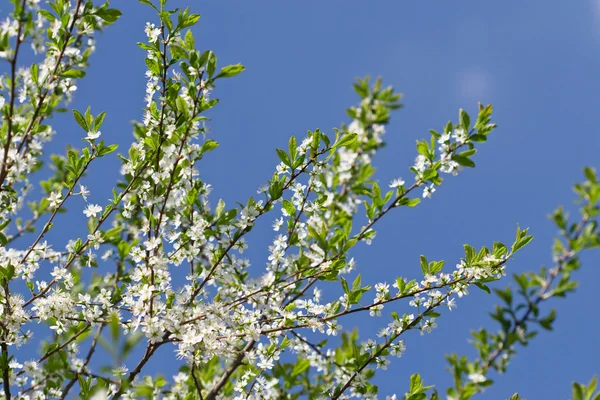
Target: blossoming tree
{"x": 171, "y": 274}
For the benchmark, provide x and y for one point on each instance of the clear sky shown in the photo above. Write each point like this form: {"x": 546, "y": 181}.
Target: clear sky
{"x": 536, "y": 61}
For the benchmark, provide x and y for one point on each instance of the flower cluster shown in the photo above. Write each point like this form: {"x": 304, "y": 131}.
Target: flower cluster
{"x": 161, "y": 264}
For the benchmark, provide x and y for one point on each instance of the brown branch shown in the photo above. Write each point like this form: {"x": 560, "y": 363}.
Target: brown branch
{"x": 241, "y": 233}
{"x": 86, "y": 361}
{"x": 541, "y": 296}
{"x": 5, "y": 167}
{"x": 60, "y": 347}
{"x": 388, "y": 343}
{"x": 6, "y": 371}
{"x": 56, "y": 210}
{"x": 101, "y": 221}
{"x": 212, "y": 395}
{"x": 13, "y": 85}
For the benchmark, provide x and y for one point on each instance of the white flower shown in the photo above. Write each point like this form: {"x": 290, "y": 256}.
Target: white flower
{"x": 428, "y": 326}
{"x": 277, "y": 224}
{"x": 91, "y": 257}
{"x": 152, "y": 243}
{"x": 2, "y": 101}
{"x": 333, "y": 329}
{"x": 96, "y": 239}
{"x": 396, "y": 183}
{"x": 421, "y": 163}
{"x": 92, "y": 210}
{"x": 55, "y": 198}
{"x": 84, "y": 192}
{"x": 444, "y": 138}
{"x": 398, "y": 349}
{"x": 265, "y": 363}
{"x": 428, "y": 191}
{"x": 476, "y": 377}
{"x": 384, "y": 332}
{"x": 460, "y": 135}
{"x": 120, "y": 371}
{"x": 382, "y": 363}
{"x": 370, "y": 345}
{"x": 376, "y": 310}
{"x": 382, "y": 287}
{"x": 451, "y": 303}
{"x": 152, "y": 32}
{"x": 93, "y": 135}
{"x": 99, "y": 395}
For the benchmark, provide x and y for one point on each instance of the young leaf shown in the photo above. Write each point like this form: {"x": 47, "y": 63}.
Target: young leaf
{"x": 81, "y": 120}
{"x": 346, "y": 140}
{"x": 73, "y": 73}
{"x": 230, "y": 71}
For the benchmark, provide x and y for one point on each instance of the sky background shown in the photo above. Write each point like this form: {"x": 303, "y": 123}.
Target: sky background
{"x": 537, "y": 62}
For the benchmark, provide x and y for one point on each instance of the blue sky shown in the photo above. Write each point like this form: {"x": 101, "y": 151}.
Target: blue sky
{"x": 535, "y": 61}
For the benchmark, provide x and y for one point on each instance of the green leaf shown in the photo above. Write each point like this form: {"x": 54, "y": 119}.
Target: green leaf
{"x": 211, "y": 64}
{"x": 346, "y": 140}
{"x": 34, "y": 73}
{"x": 146, "y": 47}
{"x": 423, "y": 148}
{"x": 153, "y": 66}
{"x": 89, "y": 119}
{"x": 189, "y": 40}
{"x": 220, "y": 207}
{"x": 464, "y": 161}
{"x": 356, "y": 283}
{"x": 73, "y": 73}
{"x": 465, "y": 121}
{"x": 292, "y": 148}
{"x": 482, "y": 287}
{"x": 182, "y": 106}
{"x": 3, "y": 239}
{"x": 546, "y": 322}
{"x": 522, "y": 242}
{"x": 209, "y": 145}
{"x": 289, "y": 207}
{"x": 147, "y": 2}
{"x": 506, "y": 295}
{"x": 592, "y": 386}
{"x": 107, "y": 149}
{"x": 81, "y": 120}
{"x": 46, "y": 14}
{"x": 577, "y": 392}
{"x": 408, "y": 202}
{"x": 283, "y": 156}
{"x": 478, "y": 138}
{"x": 109, "y": 15}
{"x": 424, "y": 265}
{"x": 320, "y": 239}
{"x": 114, "y": 326}
{"x": 590, "y": 174}
{"x": 301, "y": 365}
{"x": 190, "y": 20}
{"x": 177, "y": 52}
{"x": 345, "y": 286}
{"x": 99, "y": 120}
{"x": 230, "y": 70}
{"x": 415, "y": 383}
{"x": 435, "y": 267}
{"x": 84, "y": 385}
